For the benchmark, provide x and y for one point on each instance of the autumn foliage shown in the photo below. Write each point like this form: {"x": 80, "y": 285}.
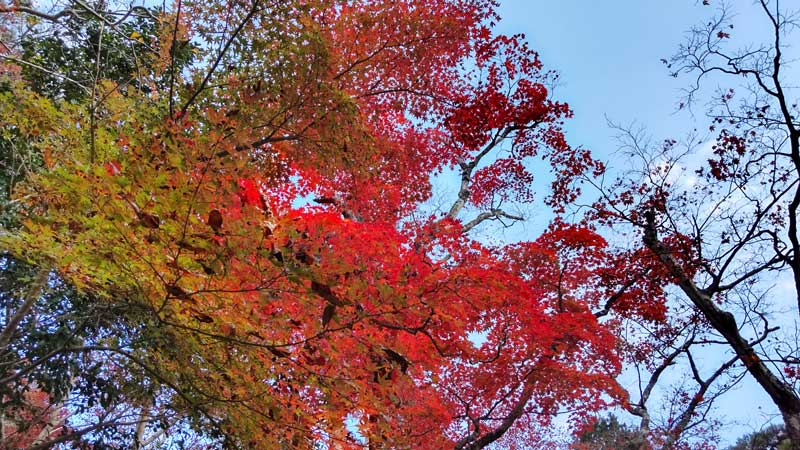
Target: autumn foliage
{"x": 258, "y": 202}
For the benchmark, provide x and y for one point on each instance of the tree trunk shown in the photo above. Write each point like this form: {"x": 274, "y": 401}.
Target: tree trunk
{"x": 792, "y": 422}
{"x": 782, "y": 395}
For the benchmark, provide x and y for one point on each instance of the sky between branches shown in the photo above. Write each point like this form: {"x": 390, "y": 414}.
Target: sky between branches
{"x": 608, "y": 56}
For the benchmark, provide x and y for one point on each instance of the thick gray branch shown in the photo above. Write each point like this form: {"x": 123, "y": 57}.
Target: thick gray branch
{"x": 493, "y": 214}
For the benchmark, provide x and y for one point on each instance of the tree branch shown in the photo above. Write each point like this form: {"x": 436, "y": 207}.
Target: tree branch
{"x": 35, "y": 290}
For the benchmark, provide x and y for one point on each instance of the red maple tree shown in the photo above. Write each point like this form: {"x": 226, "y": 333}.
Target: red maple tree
{"x": 341, "y": 321}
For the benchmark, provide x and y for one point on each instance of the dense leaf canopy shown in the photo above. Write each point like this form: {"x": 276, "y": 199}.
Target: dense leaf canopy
{"x": 177, "y": 154}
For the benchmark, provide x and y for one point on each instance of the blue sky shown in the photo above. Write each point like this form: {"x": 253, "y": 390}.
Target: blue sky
{"x": 608, "y": 54}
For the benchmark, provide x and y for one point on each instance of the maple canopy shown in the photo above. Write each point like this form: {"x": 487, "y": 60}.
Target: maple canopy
{"x": 185, "y": 188}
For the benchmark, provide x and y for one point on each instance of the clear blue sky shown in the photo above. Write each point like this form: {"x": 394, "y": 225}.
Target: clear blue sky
{"x": 608, "y": 54}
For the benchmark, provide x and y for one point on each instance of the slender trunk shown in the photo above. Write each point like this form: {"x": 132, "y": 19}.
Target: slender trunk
{"x": 782, "y": 395}
{"x": 794, "y": 239}
{"x": 54, "y": 422}
{"x": 141, "y": 427}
